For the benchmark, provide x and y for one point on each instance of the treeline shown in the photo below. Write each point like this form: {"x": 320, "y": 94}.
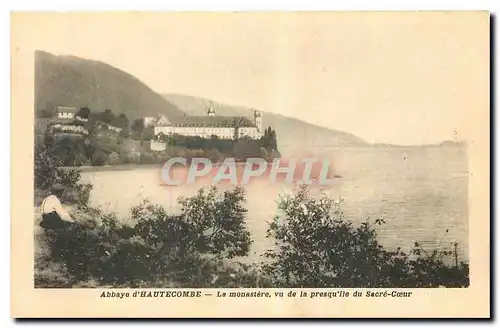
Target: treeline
{"x": 106, "y": 116}
{"x": 132, "y": 144}
{"x": 217, "y": 149}
{"x": 110, "y": 149}
{"x": 314, "y": 246}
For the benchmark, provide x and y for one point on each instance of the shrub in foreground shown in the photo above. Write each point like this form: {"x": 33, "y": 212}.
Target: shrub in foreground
{"x": 48, "y": 171}
{"x": 316, "y": 247}
{"x": 158, "y": 247}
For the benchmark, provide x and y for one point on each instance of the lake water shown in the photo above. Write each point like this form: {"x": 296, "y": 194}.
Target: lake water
{"x": 420, "y": 192}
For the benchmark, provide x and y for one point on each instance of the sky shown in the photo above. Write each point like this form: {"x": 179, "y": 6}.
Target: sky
{"x": 385, "y": 77}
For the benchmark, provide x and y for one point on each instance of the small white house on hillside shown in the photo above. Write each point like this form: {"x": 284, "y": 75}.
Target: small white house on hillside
{"x": 67, "y": 113}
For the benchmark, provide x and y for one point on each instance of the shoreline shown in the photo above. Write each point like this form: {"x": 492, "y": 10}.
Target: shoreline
{"x": 119, "y": 167}
{"x": 128, "y": 167}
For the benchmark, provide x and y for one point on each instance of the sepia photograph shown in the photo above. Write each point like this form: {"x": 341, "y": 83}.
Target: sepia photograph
{"x": 255, "y": 151}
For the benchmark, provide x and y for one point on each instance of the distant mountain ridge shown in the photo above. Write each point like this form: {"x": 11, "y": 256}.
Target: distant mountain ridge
{"x": 77, "y": 82}
{"x": 291, "y": 132}
{"x": 73, "y": 81}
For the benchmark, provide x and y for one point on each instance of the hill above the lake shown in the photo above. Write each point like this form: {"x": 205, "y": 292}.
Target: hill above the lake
{"x": 77, "y": 82}
{"x": 291, "y": 132}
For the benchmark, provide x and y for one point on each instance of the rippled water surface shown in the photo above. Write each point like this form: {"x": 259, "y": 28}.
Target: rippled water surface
{"x": 420, "y": 192}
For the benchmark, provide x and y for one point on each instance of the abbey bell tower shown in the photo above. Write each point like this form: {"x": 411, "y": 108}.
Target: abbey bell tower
{"x": 211, "y": 111}
{"x": 257, "y": 118}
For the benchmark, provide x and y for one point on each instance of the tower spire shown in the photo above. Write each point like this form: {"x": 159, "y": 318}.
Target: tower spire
{"x": 211, "y": 111}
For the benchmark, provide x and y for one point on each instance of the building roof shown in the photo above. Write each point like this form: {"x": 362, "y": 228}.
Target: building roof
{"x": 209, "y": 121}
{"x": 63, "y": 109}
{"x": 65, "y": 121}
{"x": 108, "y": 125}
{"x": 162, "y": 121}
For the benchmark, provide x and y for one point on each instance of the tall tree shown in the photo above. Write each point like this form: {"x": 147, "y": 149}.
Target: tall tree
{"x": 45, "y": 113}
{"x": 273, "y": 140}
{"x": 84, "y": 112}
{"x": 107, "y": 116}
{"x": 138, "y": 125}
{"x": 121, "y": 121}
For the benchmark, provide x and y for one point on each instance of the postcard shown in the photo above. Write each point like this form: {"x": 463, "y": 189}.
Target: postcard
{"x": 250, "y": 164}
